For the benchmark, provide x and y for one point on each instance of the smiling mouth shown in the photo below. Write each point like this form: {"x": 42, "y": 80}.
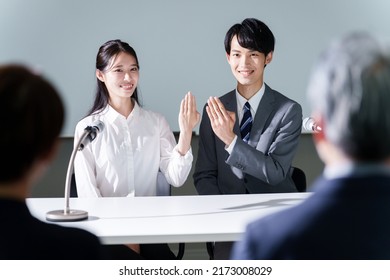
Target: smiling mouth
{"x": 127, "y": 87}
{"x": 245, "y": 72}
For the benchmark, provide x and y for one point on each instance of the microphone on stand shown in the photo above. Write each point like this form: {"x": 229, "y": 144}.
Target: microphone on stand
{"x": 67, "y": 214}
{"x": 308, "y": 124}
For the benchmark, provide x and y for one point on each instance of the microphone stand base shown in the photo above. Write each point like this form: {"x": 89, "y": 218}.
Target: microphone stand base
{"x": 62, "y": 216}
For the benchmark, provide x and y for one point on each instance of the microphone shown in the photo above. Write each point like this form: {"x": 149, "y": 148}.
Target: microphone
{"x": 68, "y": 215}
{"x": 308, "y": 124}
{"x": 93, "y": 130}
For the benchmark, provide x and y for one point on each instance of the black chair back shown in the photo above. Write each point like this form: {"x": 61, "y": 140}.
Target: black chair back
{"x": 299, "y": 178}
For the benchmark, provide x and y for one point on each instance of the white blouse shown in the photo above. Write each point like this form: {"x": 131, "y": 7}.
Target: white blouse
{"x": 126, "y": 156}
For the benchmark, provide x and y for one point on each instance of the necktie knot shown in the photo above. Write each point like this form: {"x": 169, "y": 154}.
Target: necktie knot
{"x": 247, "y": 106}
{"x": 246, "y": 122}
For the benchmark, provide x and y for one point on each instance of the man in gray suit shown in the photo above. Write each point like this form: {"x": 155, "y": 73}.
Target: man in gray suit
{"x": 255, "y": 157}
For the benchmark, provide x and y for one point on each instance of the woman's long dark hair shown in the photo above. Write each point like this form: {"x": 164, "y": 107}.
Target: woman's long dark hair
{"x": 104, "y": 56}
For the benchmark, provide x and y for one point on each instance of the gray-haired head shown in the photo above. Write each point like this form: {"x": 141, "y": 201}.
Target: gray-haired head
{"x": 350, "y": 89}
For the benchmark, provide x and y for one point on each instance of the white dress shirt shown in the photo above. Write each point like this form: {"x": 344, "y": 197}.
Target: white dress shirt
{"x": 126, "y": 156}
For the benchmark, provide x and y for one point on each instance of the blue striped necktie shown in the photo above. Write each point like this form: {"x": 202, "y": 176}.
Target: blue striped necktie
{"x": 246, "y": 123}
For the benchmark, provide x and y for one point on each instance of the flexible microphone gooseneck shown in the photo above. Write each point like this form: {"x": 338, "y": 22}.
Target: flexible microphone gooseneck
{"x": 67, "y": 214}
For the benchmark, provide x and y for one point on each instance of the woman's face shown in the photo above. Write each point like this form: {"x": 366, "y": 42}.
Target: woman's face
{"x": 121, "y": 76}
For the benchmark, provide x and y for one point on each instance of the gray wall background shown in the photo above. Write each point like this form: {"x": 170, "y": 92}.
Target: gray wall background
{"x": 179, "y": 43}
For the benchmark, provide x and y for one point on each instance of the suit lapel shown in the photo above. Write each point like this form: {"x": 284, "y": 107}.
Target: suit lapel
{"x": 265, "y": 108}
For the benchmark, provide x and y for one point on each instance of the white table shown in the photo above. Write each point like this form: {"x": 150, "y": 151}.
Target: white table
{"x": 169, "y": 219}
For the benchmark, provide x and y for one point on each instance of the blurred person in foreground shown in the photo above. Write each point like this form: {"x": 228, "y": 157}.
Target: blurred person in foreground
{"x": 31, "y": 119}
{"x": 347, "y": 215}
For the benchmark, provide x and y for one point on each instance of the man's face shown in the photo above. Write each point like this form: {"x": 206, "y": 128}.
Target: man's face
{"x": 247, "y": 65}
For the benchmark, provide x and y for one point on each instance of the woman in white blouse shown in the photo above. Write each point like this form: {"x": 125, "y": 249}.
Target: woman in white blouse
{"x": 135, "y": 144}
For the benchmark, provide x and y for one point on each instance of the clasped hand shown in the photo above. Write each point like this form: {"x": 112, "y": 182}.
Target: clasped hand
{"x": 222, "y": 121}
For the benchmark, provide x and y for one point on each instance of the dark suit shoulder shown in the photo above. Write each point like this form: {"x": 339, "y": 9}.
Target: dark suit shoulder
{"x": 228, "y": 95}
{"x": 25, "y": 237}
{"x": 345, "y": 218}
{"x": 66, "y": 242}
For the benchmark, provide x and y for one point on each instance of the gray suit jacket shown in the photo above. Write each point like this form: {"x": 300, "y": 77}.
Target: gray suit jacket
{"x": 265, "y": 163}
